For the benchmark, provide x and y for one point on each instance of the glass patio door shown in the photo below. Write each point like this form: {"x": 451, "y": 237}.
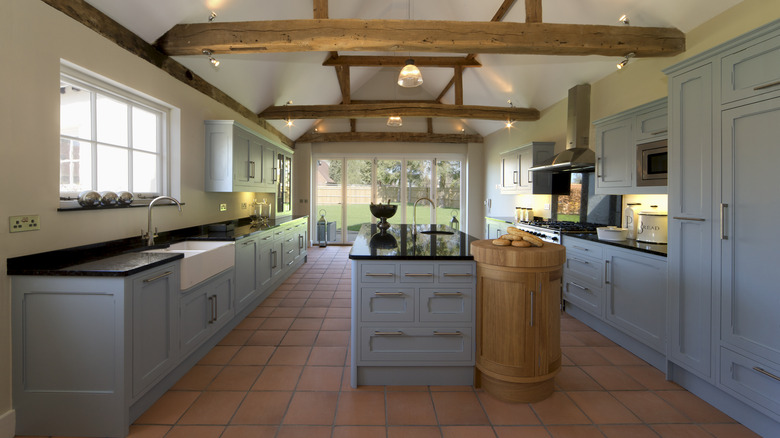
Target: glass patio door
{"x": 329, "y": 201}
{"x": 358, "y": 196}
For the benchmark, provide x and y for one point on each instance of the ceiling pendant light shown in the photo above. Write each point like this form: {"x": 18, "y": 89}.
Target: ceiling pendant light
{"x": 395, "y": 121}
{"x": 410, "y": 75}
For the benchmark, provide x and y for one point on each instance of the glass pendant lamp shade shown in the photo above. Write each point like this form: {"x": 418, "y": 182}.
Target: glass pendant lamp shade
{"x": 410, "y": 75}
{"x": 395, "y": 121}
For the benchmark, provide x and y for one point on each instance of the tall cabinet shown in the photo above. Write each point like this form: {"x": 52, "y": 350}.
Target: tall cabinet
{"x": 723, "y": 198}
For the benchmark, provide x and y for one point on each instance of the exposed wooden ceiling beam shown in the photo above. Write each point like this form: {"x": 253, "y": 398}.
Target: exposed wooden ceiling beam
{"x": 533, "y": 11}
{"x": 421, "y": 36}
{"x": 320, "y": 8}
{"x": 343, "y": 75}
{"x": 400, "y": 61}
{"x": 408, "y": 137}
{"x": 86, "y": 14}
{"x": 398, "y": 109}
{"x": 498, "y": 16}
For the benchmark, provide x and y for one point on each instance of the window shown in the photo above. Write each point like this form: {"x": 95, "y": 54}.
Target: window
{"x": 346, "y": 185}
{"x": 111, "y": 138}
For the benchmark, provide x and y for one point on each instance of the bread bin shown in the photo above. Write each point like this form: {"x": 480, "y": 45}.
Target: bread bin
{"x": 651, "y": 227}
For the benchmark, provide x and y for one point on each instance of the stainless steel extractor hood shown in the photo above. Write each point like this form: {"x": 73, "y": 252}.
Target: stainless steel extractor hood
{"x": 577, "y": 157}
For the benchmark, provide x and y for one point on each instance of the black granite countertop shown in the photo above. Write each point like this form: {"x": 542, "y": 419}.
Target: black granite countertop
{"x": 400, "y": 243}
{"x": 650, "y": 248}
{"x": 124, "y": 257}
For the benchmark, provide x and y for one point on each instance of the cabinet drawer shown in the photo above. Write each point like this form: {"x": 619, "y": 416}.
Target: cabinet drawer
{"x": 583, "y": 295}
{"x": 387, "y": 304}
{"x": 289, "y": 251}
{"x": 416, "y": 345}
{"x": 581, "y": 247}
{"x": 588, "y": 269}
{"x": 757, "y": 383}
{"x": 752, "y": 71}
{"x": 417, "y": 273}
{"x": 457, "y": 273}
{"x": 442, "y": 304}
{"x": 379, "y": 273}
{"x": 651, "y": 125}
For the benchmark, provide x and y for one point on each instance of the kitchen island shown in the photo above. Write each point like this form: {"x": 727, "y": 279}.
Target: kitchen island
{"x": 413, "y": 296}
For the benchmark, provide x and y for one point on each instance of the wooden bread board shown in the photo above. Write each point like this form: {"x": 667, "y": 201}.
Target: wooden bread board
{"x": 549, "y": 255}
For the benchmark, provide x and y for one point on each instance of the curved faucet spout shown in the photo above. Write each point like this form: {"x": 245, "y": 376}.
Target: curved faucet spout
{"x": 150, "y": 230}
{"x": 414, "y": 211}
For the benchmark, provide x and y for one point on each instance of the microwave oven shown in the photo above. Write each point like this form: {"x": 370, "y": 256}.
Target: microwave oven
{"x": 652, "y": 165}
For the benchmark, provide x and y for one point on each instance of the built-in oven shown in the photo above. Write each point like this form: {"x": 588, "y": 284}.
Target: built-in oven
{"x": 652, "y": 163}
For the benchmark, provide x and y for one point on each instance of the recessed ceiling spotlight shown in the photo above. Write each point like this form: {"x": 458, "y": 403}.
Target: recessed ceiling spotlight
{"x": 214, "y": 61}
{"x": 212, "y": 16}
{"x": 624, "y": 62}
{"x": 624, "y": 19}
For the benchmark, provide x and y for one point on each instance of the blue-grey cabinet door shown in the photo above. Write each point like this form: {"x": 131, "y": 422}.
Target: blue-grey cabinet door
{"x": 748, "y": 220}
{"x": 194, "y": 317}
{"x": 614, "y": 154}
{"x": 154, "y": 297}
{"x": 690, "y": 220}
{"x": 247, "y": 254}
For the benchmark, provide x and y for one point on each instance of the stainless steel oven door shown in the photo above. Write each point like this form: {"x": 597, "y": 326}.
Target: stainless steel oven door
{"x": 652, "y": 163}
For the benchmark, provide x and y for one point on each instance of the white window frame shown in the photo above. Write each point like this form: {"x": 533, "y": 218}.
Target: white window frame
{"x": 168, "y": 135}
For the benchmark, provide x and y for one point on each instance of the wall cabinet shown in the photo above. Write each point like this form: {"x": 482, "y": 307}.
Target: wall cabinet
{"x": 283, "y": 183}
{"x": 624, "y": 288}
{"x": 414, "y": 322}
{"x": 516, "y": 176}
{"x": 237, "y": 159}
{"x": 725, "y": 121}
{"x": 617, "y": 138}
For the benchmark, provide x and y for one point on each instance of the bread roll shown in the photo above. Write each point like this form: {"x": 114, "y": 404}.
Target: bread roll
{"x": 502, "y": 242}
{"x": 521, "y": 243}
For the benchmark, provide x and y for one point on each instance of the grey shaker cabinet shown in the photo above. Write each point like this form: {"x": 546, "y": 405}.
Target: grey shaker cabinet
{"x": 204, "y": 309}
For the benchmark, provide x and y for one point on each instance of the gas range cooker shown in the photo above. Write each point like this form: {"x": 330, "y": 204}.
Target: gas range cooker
{"x": 551, "y": 231}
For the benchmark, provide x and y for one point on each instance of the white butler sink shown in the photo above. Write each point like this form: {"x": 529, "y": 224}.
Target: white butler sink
{"x": 202, "y": 259}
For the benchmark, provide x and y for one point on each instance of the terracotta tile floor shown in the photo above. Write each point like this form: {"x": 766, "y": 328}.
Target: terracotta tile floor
{"x": 284, "y": 372}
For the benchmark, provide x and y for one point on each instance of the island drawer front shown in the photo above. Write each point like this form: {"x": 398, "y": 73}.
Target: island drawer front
{"x": 387, "y": 304}
{"x": 378, "y": 273}
{"x": 753, "y": 381}
{"x": 446, "y": 304}
{"x": 578, "y": 247}
{"x": 588, "y": 269}
{"x": 583, "y": 295}
{"x": 457, "y": 273}
{"x": 393, "y": 344}
{"x": 417, "y": 273}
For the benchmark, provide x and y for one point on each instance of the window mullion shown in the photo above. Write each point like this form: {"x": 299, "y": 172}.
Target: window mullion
{"x": 93, "y": 144}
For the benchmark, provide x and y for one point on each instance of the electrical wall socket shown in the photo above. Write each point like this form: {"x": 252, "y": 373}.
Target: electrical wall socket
{"x": 222, "y": 207}
{"x": 546, "y": 206}
{"x": 243, "y": 205}
{"x": 28, "y": 222}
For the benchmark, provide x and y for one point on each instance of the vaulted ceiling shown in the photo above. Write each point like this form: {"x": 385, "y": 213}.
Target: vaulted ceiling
{"x": 475, "y": 56}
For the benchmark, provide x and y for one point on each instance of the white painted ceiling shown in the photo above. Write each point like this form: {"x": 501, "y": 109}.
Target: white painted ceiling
{"x": 261, "y": 80}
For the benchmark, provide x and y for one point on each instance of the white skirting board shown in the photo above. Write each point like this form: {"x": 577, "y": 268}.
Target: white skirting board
{"x": 8, "y": 424}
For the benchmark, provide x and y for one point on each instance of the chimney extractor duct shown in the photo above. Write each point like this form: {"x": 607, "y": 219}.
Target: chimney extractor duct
{"x": 577, "y": 157}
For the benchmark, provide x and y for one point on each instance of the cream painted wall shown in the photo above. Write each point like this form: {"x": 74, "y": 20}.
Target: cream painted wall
{"x": 30, "y": 168}
{"x": 551, "y": 127}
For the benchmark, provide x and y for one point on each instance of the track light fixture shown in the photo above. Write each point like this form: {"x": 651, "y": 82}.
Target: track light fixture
{"x": 214, "y": 61}
{"x": 212, "y": 16}
{"x": 624, "y": 19}
{"x": 624, "y": 62}
{"x": 394, "y": 121}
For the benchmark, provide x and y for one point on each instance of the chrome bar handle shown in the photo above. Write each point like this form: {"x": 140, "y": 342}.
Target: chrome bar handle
{"x": 372, "y": 274}
{"x": 766, "y": 373}
{"x": 447, "y": 274}
{"x": 251, "y": 169}
{"x": 455, "y": 333}
{"x": 398, "y": 333}
{"x": 580, "y": 260}
{"x": 761, "y": 87}
{"x": 723, "y": 208}
{"x": 157, "y": 277}
{"x": 580, "y": 248}
{"x": 389, "y": 294}
{"x": 606, "y": 272}
{"x": 532, "y": 308}
{"x": 418, "y": 275}
{"x": 663, "y": 131}
{"x": 578, "y": 286}
{"x": 447, "y": 294}
{"x": 681, "y": 218}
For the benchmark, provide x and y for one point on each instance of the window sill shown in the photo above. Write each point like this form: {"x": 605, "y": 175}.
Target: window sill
{"x": 74, "y": 206}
